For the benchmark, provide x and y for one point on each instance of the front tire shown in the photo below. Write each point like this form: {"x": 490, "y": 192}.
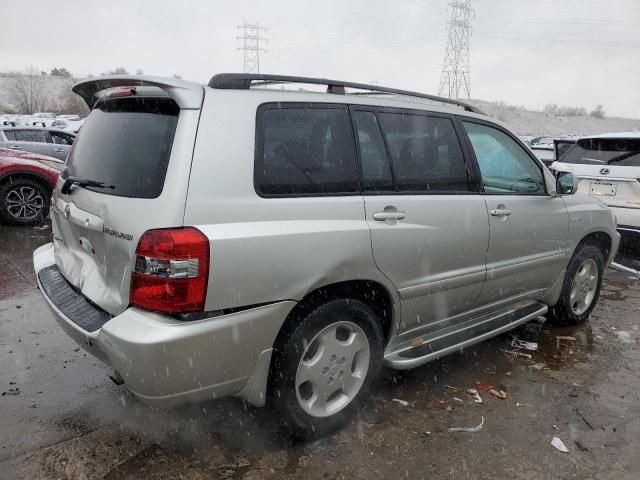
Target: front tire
{"x": 581, "y": 287}
{"x": 323, "y": 367}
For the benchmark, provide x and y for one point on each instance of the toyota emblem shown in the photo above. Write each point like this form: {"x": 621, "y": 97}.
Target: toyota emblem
{"x": 604, "y": 171}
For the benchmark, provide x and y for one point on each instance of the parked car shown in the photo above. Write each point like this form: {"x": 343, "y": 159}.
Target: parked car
{"x": 26, "y": 182}
{"x": 545, "y": 153}
{"x": 282, "y": 246}
{"x": 71, "y": 125}
{"x": 608, "y": 167}
{"x": 45, "y": 141}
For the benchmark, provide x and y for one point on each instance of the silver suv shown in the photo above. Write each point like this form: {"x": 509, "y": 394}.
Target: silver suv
{"x": 282, "y": 246}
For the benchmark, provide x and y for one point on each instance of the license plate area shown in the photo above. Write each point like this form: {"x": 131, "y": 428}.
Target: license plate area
{"x": 604, "y": 188}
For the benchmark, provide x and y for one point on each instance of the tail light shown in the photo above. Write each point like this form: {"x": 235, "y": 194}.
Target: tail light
{"x": 171, "y": 271}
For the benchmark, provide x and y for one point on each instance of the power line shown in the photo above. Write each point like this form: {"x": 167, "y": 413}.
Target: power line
{"x": 251, "y": 39}
{"x": 456, "y": 72}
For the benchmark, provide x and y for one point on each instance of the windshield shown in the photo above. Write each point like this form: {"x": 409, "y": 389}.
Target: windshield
{"x": 605, "y": 151}
{"x": 126, "y": 143}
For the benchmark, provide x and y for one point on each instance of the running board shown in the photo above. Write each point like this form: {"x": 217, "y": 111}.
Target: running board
{"x": 426, "y": 348}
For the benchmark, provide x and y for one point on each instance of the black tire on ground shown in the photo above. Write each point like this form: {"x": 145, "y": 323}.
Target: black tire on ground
{"x": 563, "y": 312}
{"x": 15, "y": 184}
{"x": 288, "y": 353}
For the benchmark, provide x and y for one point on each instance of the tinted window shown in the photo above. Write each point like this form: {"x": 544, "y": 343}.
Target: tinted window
{"x": 30, "y": 135}
{"x": 126, "y": 143}
{"x": 376, "y": 171}
{"x": 425, "y": 153}
{"x": 505, "y": 166}
{"x": 305, "y": 151}
{"x": 11, "y": 136}
{"x": 605, "y": 151}
{"x": 61, "y": 138}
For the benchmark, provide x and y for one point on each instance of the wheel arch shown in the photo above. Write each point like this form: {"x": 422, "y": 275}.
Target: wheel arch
{"x": 370, "y": 292}
{"x": 9, "y": 176}
{"x": 600, "y": 239}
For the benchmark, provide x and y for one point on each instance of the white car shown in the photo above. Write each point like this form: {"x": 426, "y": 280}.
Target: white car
{"x": 608, "y": 167}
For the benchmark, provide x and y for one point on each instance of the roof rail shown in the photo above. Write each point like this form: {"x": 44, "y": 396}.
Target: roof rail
{"x": 243, "y": 81}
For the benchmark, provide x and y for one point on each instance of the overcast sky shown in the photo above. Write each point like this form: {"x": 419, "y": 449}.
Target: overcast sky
{"x": 524, "y": 52}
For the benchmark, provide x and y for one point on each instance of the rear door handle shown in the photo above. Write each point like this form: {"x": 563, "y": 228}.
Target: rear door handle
{"x": 389, "y": 215}
{"x": 15, "y": 147}
{"x": 501, "y": 212}
{"x": 60, "y": 150}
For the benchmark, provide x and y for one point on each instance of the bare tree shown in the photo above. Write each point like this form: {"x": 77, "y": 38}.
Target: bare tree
{"x": 71, "y": 103}
{"x": 28, "y": 92}
{"x": 598, "y": 112}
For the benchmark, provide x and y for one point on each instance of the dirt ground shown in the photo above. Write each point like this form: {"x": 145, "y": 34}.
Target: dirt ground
{"x": 62, "y": 418}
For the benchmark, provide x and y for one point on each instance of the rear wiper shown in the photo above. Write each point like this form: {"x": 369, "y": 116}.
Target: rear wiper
{"x": 82, "y": 182}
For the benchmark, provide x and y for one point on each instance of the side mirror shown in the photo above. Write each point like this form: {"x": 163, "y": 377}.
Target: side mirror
{"x": 566, "y": 183}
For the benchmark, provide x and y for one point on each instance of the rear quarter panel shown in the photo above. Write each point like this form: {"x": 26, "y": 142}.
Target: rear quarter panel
{"x": 267, "y": 249}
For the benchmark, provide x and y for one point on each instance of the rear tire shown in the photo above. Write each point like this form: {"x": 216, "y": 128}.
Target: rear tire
{"x": 581, "y": 287}
{"x": 23, "y": 201}
{"x": 323, "y": 367}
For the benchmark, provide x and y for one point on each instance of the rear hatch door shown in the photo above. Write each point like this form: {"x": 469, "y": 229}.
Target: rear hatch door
{"x": 138, "y": 143}
{"x": 607, "y": 168}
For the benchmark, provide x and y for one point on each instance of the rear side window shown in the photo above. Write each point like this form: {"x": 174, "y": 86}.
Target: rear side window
{"x": 126, "y": 142}
{"x": 304, "y": 151}
{"x": 623, "y": 152}
{"x": 376, "y": 170}
{"x": 425, "y": 153}
{"x": 11, "y": 136}
{"x": 30, "y": 136}
{"x": 61, "y": 138}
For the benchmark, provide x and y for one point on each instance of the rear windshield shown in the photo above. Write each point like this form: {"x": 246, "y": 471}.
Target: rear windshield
{"x": 605, "y": 151}
{"x": 126, "y": 142}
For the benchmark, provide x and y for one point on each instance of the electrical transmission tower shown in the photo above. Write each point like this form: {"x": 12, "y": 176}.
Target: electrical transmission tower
{"x": 455, "y": 79}
{"x": 251, "y": 45}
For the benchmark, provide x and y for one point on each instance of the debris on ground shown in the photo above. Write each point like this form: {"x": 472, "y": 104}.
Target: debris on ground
{"x": 580, "y": 446}
{"x": 452, "y": 388}
{"x": 565, "y": 337}
{"x": 468, "y": 429}
{"x": 537, "y": 366}
{"x": 404, "y": 403}
{"x": 516, "y": 353}
{"x": 12, "y": 391}
{"x": 482, "y": 387}
{"x": 516, "y": 343}
{"x": 477, "y": 398}
{"x": 558, "y": 445}
{"x": 459, "y": 400}
{"x": 501, "y": 394}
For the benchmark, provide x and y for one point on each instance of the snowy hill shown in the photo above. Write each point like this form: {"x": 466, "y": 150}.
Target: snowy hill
{"x": 528, "y": 122}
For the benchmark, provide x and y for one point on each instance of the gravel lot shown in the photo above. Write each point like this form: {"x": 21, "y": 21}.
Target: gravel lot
{"x": 61, "y": 417}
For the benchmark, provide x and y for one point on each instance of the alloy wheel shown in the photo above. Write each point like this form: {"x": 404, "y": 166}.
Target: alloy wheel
{"x": 24, "y": 203}
{"x": 584, "y": 286}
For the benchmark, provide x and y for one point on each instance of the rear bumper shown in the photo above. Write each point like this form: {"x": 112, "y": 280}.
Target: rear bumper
{"x": 165, "y": 361}
{"x": 628, "y": 219}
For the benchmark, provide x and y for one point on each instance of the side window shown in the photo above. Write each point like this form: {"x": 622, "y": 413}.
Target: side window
{"x": 376, "y": 171}
{"x": 11, "y": 136}
{"x": 30, "y": 136}
{"x": 504, "y": 165}
{"x": 61, "y": 138}
{"x": 303, "y": 150}
{"x": 425, "y": 153}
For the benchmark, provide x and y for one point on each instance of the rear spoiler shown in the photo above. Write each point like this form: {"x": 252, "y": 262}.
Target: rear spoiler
{"x": 188, "y": 95}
